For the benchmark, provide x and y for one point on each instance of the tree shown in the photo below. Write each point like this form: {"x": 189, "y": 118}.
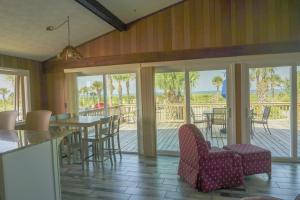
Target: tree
{"x": 275, "y": 81}
{"x": 120, "y": 78}
{"x": 85, "y": 92}
{"x": 173, "y": 84}
{"x": 110, "y": 89}
{"x": 217, "y": 81}
{"x": 128, "y": 78}
{"x": 97, "y": 86}
{"x": 262, "y": 77}
{"x": 4, "y": 92}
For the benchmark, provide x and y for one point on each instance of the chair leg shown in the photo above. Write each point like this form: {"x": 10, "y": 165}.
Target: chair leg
{"x": 268, "y": 128}
{"x": 113, "y": 147}
{"x": 265, "y": 128}
{"x": 109, "y": 151}
{"x": 101, "y": 153}
{"x": 119, "y": 144}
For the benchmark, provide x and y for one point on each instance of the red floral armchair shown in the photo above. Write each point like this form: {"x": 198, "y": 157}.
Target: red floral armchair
{"x": 204, "y": 168}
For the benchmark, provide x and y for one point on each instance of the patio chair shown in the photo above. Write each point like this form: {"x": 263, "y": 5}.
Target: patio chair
{"x": 263, "y": 120}
{"x": 199, "y": 119}
{"x": 204, "y": 168}
{"x": 219, "y": 118}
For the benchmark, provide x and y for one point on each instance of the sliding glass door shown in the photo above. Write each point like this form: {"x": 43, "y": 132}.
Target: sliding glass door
{"x": 170, "y": 109}
{"x": 121, "y": 99}
{"x": 208, "y": 104}
{"x": 111, "y": 94}
{"x": 191, "y": 96}
{"x": 269, "y": 109}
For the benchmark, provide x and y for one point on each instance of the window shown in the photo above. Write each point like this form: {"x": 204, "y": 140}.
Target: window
{"x": 14, "y": 90}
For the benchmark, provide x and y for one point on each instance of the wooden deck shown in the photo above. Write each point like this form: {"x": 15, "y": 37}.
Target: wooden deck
{"x": 167, "y": 139}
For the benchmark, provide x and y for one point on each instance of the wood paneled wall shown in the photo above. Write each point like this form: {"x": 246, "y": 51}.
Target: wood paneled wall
{"x": 188, "y": 28}
{"x": 35, "y": 69}
{"x": 196, "y": 24}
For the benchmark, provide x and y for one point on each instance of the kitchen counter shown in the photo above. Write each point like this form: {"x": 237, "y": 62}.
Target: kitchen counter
{"x": 29, "y": 165}
{"x": 18, "y": 139}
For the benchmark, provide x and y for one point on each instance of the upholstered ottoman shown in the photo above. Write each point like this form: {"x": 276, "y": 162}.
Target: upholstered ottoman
{"x": 255, "y": 160}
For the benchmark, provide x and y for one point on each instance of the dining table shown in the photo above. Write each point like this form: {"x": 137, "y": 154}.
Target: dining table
{"x": 82, "y": 123}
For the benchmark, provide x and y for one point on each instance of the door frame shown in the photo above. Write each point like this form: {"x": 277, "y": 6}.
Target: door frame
{"x": 104, "y": 74}
{"x": 293, "y": 106}
{"x": 230, "y": 100}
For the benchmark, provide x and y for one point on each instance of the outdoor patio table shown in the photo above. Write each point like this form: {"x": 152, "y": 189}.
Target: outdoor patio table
{"x": 83, "y": 122}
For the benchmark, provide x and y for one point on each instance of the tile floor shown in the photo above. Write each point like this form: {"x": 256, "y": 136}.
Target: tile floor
{"x": 140, "y": 178}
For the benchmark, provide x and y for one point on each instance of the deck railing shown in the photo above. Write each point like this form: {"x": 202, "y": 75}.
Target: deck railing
{"x": 177, "y": 112}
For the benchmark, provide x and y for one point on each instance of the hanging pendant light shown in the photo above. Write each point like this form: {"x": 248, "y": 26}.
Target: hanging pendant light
{"x": 69, "y": 52}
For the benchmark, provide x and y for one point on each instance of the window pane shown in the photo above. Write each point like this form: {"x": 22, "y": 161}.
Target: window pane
{"x": 270, "y": 97}
{"x": 170, "y": 109}
{"x": 121, "y": 100}
{"x": 7, "y": 92}
{"x": 208, "y": 105}
{"x": 90, "y": 92}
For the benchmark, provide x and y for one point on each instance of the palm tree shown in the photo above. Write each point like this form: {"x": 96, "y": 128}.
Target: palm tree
{"x": 97, "y": 86}
{"x": 275, "y": 81}
{"x": 85, "y": 92}
{"x": 173, "y": 84}
{"x": 120, "y": 78}
{"x": 4, "y": 92}
{"x": 128, "y": 78}
{"x": 110, "y": 89}
{"x": 262, "y": 77}
{"x": 217, "y": 81}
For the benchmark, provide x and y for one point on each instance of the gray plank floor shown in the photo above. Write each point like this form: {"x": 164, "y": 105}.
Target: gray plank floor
{"x": 167, "y": 137}
{"x": 141, "y": 178}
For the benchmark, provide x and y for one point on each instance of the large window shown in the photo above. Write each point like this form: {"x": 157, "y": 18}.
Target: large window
{"x": 14, "y": 92}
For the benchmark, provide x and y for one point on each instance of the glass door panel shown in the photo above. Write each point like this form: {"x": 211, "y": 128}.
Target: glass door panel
{"x": 170, "y": 109}
{"x": 121, "y": 100}
{"x": 269, "y": 111}
{"x": 298, "y": 110}
{"x": 208, "y": 104}
{"x": 90, "y": 95}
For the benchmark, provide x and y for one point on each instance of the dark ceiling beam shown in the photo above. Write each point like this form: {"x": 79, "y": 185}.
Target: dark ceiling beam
{"x": 99, "y": 10}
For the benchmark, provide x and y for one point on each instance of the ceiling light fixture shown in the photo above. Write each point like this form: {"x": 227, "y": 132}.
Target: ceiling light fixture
{"x": 69, "y": 52}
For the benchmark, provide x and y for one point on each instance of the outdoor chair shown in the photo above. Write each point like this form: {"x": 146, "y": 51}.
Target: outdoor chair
{"x": 263, "y": 120}
{"x": 204, "y": 168}
{"x": 199, "y": 119}
{"x": 219, "y": 118}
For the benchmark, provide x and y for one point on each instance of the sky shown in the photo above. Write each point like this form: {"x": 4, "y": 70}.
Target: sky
{"x": 4, "y": 83}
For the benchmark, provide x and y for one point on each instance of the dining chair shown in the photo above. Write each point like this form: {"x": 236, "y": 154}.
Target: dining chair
{"x": 38, "y": 120}
{"x": 8, "y": 120}
{"x": 115, "y": 133}
{"x": 71, "y": 145}
{"x": 99, "y": 140}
